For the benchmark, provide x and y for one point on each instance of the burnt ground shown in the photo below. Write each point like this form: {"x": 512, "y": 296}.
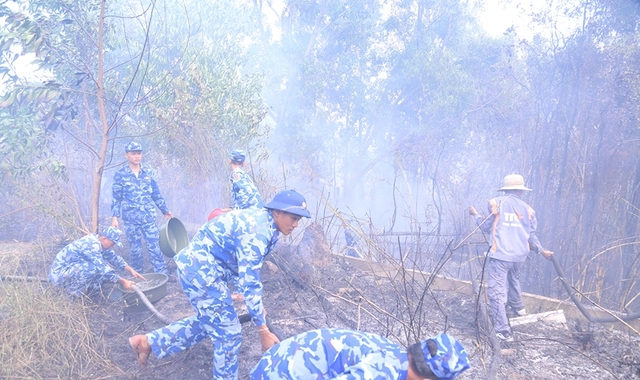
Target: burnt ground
{"x": 334, "y": 294}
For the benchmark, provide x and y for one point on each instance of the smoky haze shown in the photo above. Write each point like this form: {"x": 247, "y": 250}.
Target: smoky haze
{"x": 395, "y": 116}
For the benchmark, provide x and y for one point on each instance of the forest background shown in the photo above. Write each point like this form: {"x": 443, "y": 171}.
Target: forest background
{"x": 399, "y": 114}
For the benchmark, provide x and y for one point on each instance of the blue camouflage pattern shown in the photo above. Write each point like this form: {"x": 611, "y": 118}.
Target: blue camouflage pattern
{"x": 333, "y": 354}
{"x": 112, "y": 234}
{"x": 244, "y": 192}
{"x": 134, "y": 200}
{"x": 450, "y": 360}
{"x": 83, "y": 266}
{"x": 132, "y": 147}
{"x": 233, "y": 245}
{"x": 237, "y": 156}
{"x": 149, "y": 231}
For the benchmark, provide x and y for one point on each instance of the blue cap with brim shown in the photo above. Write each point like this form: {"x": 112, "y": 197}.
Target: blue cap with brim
{"x": 113, "y": 234}
{"x": 133, "y": 146}
{"x": 290, "y": 201}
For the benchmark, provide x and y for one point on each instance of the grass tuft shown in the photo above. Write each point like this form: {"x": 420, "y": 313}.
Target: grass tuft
{"x": 44, "y": 334}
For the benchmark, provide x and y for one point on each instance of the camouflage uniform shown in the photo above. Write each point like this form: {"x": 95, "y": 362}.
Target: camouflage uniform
{"x": 244, "y": 192}
{"x": 333, "y": 354}
{"x": 345, "y": 354}
{"x": 231, "y": 245}
{"x": 82, "y": 266}
{"x": 135, "y": 200}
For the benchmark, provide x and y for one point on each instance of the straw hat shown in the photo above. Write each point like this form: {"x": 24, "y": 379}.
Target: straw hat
{"x": 513, "y": 182}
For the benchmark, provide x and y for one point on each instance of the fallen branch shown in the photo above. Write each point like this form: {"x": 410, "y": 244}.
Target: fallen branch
{"x": 23, "y": 278}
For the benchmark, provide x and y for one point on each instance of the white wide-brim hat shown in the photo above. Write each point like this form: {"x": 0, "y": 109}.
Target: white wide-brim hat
{"x": 513, "y": 182}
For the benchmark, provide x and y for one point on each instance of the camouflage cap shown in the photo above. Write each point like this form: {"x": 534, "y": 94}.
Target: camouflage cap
{"x": 442, "y": 355}
{"x": 133, "y": 146}
{"x": 237, "y": 156}
{"x": 112, "y": 234}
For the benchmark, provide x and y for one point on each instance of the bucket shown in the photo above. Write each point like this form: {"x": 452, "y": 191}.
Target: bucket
{"x": 154, "y": 289}
{"x": 173, "y": 237}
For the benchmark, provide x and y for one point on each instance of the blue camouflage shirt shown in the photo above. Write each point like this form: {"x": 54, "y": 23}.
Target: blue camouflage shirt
{"x": 244, "y": 192}
{"x": 135, "y": 198}
{"x": 78, "y": 264}
{"x": 333, "y": 354}
{"x": 233, "y": 245}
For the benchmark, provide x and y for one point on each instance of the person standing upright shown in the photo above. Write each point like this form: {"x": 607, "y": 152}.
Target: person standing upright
{"x": 135, "y": 197}
{"x": 244, "y": 192}
{"x": 512, "y": 224}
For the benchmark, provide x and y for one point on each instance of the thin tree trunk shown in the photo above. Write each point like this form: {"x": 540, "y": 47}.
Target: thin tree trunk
{"x": 104, "y": 138}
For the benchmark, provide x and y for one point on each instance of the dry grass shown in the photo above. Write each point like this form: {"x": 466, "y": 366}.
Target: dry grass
{"x": 43, "y": 333}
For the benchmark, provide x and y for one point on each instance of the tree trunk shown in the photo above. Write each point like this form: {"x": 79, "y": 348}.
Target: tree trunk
{"x": 104, "y": 136}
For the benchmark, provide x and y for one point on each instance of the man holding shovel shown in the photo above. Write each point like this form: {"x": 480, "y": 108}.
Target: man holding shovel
{"x": 234, "y": 244}
{"x": 512, "y": 224}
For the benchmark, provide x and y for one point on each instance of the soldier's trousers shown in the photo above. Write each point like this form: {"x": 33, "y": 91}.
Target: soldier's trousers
{"x": 134, "y": 233}
{"x": 215, "y": 318}
{"x": 80, "y": 278}
{"x": 504, "y": 290}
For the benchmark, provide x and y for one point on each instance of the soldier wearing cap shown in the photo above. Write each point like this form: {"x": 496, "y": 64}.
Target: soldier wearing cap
{"x": 512, "y": 224}
{"x": 340, "y": 353}
{"x": 135, "y": 197}
{"x": 232, "y": 245}
{"x": 244, "y": 192}
{"x": 83, "y": 265}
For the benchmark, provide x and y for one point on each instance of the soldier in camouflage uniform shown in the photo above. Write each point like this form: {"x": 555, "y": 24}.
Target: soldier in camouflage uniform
{"x": 135, "y": 197}
{"x": 244, "y": 192}
{"x": 81, "y": 266}
{"x": 345, "y": 354}
{"x": 232, "y": 245}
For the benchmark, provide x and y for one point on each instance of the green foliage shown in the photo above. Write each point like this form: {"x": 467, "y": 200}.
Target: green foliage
{"x": 23, "y": 147}
{"x": 209, "y": 100}
{"x": 356, "y": 93}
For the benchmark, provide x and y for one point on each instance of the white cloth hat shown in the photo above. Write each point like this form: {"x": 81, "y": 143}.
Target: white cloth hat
{"x": 513, "y": 182}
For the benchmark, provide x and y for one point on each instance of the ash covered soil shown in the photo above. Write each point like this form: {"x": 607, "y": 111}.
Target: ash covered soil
{"x": 331, "y": 293}
{"x": 335, "y": 294}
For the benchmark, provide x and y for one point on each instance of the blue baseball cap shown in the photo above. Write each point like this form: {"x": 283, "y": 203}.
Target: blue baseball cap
{"x": 237, "y": 156}
{"x": 113, "y": 234}
{"x": 290, "y": 201}
{"x": 133, "y": 146}
{"x": 442, "y": 355}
